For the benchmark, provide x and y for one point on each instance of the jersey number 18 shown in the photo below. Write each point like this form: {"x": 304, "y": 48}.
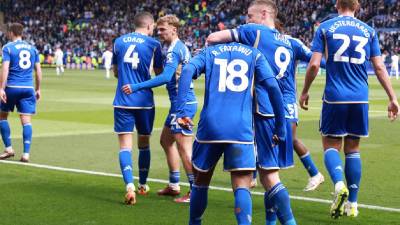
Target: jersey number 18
{"x": 227, "y": 74}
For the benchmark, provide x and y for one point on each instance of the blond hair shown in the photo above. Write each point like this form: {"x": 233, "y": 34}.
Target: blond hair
{"x": 170, "y": 20}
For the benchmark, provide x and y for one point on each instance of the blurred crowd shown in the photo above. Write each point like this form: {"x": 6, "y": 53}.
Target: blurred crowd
{"x": 85, "y": 28}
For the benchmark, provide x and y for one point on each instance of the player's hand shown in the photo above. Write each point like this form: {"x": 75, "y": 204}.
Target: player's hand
{"x": 393, "y": 110}
{"x": 37, "y": 94}
{"x": 304, "y": 101}
{"x": 185, "y": 122}
{"x": 275, "y": 140}
{"x": 3, "y": 95}
{"x": 127, "y": 89}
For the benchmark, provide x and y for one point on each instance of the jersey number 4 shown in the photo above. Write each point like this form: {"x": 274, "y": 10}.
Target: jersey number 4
{"x": 362, "y": 41}
{"x": 226, "y": 81}
{"x": 132, "y": 57}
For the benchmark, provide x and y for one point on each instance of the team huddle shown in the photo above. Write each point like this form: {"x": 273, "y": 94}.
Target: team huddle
{"x": 250, "y": 79}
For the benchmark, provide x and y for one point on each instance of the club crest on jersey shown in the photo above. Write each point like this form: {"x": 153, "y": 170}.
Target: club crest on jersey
{"x": 169, "y": 57}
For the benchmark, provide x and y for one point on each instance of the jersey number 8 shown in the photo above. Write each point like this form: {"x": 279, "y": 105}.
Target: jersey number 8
{"x": 226, "y": 81}
{"x": 25, "y": 59}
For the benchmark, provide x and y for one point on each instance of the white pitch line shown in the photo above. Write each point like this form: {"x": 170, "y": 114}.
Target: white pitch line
{"x": 380, "y": 208}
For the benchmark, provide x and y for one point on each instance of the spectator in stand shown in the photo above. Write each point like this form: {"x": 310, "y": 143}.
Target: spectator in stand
{"x": 87, "y": 26}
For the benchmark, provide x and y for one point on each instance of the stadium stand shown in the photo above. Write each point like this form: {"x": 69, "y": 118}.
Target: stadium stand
{"x": 87, "y": 27}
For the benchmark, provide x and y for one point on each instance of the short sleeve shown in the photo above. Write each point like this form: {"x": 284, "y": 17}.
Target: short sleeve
{"x": 37, "y": 59}
{"x": 302, "y": 52}
{"x": 318, "y": 41}
{"x": 234, "y": 34}
{"x": 199, "y": 62}
{"x": 375, "y": 49}
{"x": 6, "y": 54}
{"x": 245, "y": 34}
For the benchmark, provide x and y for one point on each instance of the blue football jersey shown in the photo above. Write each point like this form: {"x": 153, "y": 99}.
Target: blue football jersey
{"x": 277, "y": 50}
{"x": 348, "y": 44}
{"x": 177, "y": 55}
{"x": 22, "y": 57}
{"x": 132, "y": 55}
{"x": 227, "y": 114}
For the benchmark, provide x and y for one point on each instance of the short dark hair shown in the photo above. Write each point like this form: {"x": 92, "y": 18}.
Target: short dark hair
{"x": 142, "y": 19}
{"x": 352, "y": 5}
{"x": 268, "y": 3}
{"x": 15, "y": 28}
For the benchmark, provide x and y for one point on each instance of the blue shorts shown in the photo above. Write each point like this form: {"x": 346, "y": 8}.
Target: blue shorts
{"x": 126, "y": 119}
{"x": 23, "y": 98}
{"x": 236, "y": 156}
{"x": 340, "y": 120}
{"x": 292, "y": 114}
{"x": 271, "y": 157}
{"x": 170, "y": 122}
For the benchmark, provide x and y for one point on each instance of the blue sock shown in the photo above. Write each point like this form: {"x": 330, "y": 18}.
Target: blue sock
{"x": 270, "y": 214}
{"x": 309, "y": 164}
{"x": 279, "y": 197}
{"x": 5, "y": 133}
{"x": 27, "y": 136}
{"x": 144, "y": 164}
{"x": 190, "y": 177}
{"x": 125, "y": 162}
{"x": 243, "y": 206}
{"x": 174, "y": 177}
{"x": 333, "y": 164}
{"x": 352, "y": 170}
{"x": 198, "y": 204}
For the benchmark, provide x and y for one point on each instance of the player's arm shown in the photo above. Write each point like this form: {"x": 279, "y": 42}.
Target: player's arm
{"x": 157, "y": 71}
{"x": 312, "y": 71}
{"x": 159, "y": 80}
{"x": 38, "y": 80}
{"x": 114, "y": 62}
{"x": 4, "y": 74}
{"x": 190, "y": 71}
{"x": 219, "y": 37}
{"x": 115, "y": 70}
{"x": 38, "y": 75}
{"x": 303, "y": 53}
{"x": 3, "y": 80}
{"x": 266, "y": 78}
{"x": 158, "y": 60}
{"x": 318, "y": 47}
{"x": 383, "y": 78}
{"x": 163, "y": 78}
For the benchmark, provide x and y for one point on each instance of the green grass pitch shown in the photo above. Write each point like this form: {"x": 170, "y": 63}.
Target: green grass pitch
{"x": 74, "y": 129}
